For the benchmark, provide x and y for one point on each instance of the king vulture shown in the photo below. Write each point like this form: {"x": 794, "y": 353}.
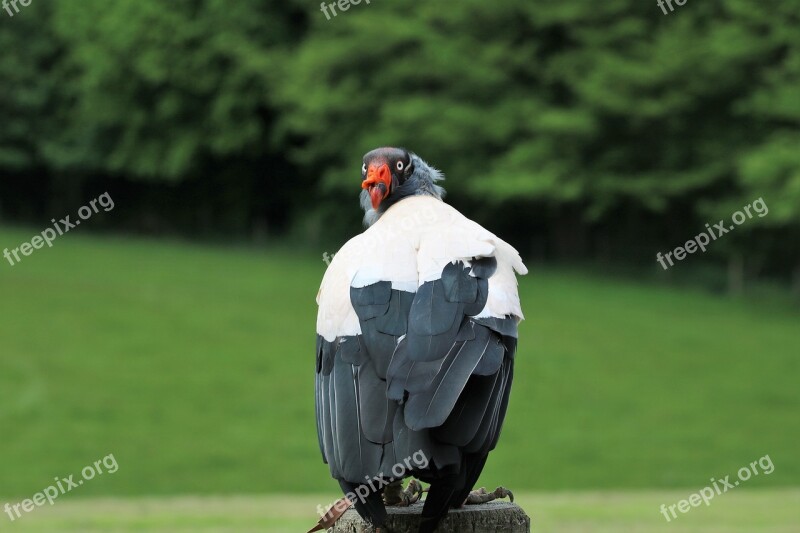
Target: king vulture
{"x": 416, "y": 335}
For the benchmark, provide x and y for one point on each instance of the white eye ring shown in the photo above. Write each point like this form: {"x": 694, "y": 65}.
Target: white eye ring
{"x": 364, "y": 168}
{"x": 400, "y": 166}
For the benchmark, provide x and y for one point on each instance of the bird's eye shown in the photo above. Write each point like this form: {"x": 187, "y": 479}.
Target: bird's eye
{"x": 400, "y": 166}
{"x": 364, "y": 168}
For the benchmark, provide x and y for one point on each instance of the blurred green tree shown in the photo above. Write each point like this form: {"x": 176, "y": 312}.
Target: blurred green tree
{"x": 585, "y": 108}
{"x": 600, "y": 129}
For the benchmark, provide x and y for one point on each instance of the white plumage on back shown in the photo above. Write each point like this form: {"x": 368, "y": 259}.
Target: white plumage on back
{"x": 409, "y": 245}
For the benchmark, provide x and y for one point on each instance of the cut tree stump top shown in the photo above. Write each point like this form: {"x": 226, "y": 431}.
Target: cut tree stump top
{"x": 492, "y": 517}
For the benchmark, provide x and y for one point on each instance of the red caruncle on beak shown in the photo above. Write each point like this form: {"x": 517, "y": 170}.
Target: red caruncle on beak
{"x": 378, "y": 183}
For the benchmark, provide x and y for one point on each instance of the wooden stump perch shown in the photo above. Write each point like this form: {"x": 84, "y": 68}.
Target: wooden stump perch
{"x": 492, "y": 517}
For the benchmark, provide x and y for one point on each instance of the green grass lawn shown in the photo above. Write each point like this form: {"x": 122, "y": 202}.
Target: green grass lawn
{"x": 769, "y": 511}
{"x": 194, "y": 366}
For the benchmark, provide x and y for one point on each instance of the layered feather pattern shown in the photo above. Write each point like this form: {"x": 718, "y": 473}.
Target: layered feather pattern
{"x": 416, "y": 334}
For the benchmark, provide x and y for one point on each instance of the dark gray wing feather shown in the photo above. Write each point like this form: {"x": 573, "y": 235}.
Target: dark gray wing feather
{"x": 376, "y": 409}
{"x": 464, "y": 421}
{"x": 490, "y": 427}
{"x": 432, "y": 407}
{"x": 433, "y": 323}
{"x": 407, "y": 442}
{"x": 379, "y": 308}
{"x": 423, "y": 375}
{"x": 356, "y": 452}
{"x": 492, "y": 357}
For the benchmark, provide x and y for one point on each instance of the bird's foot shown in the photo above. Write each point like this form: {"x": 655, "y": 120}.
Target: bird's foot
{"x": 479, "y": 496}
{"x": 394, "y": 494}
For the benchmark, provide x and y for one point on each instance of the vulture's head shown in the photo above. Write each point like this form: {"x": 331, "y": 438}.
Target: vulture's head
{"x": 389, "y": 175}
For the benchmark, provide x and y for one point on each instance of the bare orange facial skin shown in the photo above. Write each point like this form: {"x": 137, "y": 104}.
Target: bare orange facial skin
{"x": 378, "y": 182}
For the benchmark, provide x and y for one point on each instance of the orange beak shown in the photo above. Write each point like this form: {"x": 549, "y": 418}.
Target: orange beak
{"x": 378, "y": 183}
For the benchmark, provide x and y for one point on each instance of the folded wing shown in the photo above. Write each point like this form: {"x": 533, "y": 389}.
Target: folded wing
{"x": 417, "y": 332}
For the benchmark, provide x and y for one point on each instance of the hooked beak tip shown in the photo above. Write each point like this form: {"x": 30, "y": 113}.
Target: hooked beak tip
{"x": 378, "y": 183}
{"x": 377, "y": 193}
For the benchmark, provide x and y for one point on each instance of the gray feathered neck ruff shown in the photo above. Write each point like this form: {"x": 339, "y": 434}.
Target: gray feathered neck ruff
{"x": 421, "y": 182}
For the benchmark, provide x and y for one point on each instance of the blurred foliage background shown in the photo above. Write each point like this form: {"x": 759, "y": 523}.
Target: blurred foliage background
{"x": 582, "y": 131}
{"x": 590, "y": 135}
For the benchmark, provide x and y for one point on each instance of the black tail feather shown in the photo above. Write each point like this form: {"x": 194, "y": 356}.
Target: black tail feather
{"x": 370, "y": 508}
{"x": 474, "y": 466}
{"x": 437, "y": 503}
{"x": 450, "y": 491}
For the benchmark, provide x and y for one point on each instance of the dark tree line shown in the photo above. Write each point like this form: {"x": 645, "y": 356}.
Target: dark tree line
{"x": 600, "y": 131}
